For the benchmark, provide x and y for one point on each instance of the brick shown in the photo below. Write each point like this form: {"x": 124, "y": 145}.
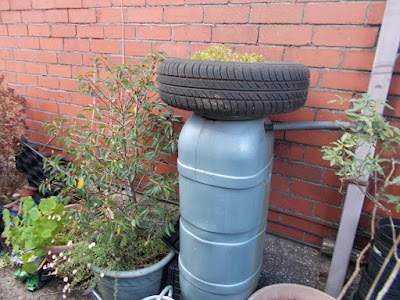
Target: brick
{"x": 395, "y": 85}
{"x": 352, "y": 81}
{"x": 273, "y": 216}
{"x": 33, "y": 16}
{"x": 315, "y": 75}
{"x": 56, "y": 16}
{"x": 6, "y": 54}
{"x": 128, "y": 3}
{"x": 312, "y": 239}
{"x": 37, "y": 93}
{"x": 269, "y": 53}
{"x": 226, "y": 14}
{"x": 314, "y": 57}
{"x": 329, "y": 213}
{"x": 39, "y": 30}
{"x": 96, "y": 3}
{"x": 277, "y": 13}
{"x": 27, "y": 79}
{"x": 345, "y": 36}
{"x": 153, "y": 32}
{"x": 358, "y": 59}
{"x": 104, "y": 46}
{"x": 81, "y": 45}
{"x": 287, "y": 150}
{"x": 306, "y": 224}
{"x": 235, "y": 34}
{"x": 280, "y": 183}
{"x": 24, "y": 55}
{"x": 14, "y": 66}
{"x": 82, "y": 16}
{"x": 20, "y": 4}
{"x": 316, "y": 192}
{"x": 68, "y": 4}
{"x": 69, "y": 58}
{"x": 312, "y": 137}
{"x": 314, "y": 155}
{"x": 17, "y": 29}
{"x": 43, "y": 4}
{"x": 28, "y": 43}
{"x": 193, "y": 33}
{"x": 63, "y": 30}
{"x": 206, "y": 1}
{"x": 89, "y": 31}
{"x": 173, "y": 49}
{"x": 321, "y": 99}
{"x": 301, "y": 115}
{"x": 11, "y": 17}
{"x": 164, "y": 2}
{"x": 39, "y": 115}
{"x": 286, "y": 35}
{"x": 187, "y": 14}
{"x": 49, "y": 106}
{"x": 46, "y": 57}
{"x": 291, "y": 203}
{"x": 80, "y": 99}
{"x": 145, "y": 15}
{"x": 115, "y": 32}
{"x": 49, "y": 82}
{"x": 58, "y": 96}
{"x": 332, "y": 116}
{"x": 137, "y": 48}
{"x": 111, "y": 15}
{"x": 36, "y": 68}
{"x": 8, "y": 42}
{"x": 375, "y": 12}
{"x": 78, "y": 70}
{"x": 59, "y": 71}
{"x": 69, "y": 85}
{"x": 4, "y": 5}
{"x": 71, "y": 110}
{"x": 51, "y": 43}
{"x": 331, "y": 179}
{"x": 335, "y": 13}
{"x": 88, "y": 59}
{"x": 3, "y": 29}
{"x": 395, "y": 103}
{"x": 297, "y": 170}
{"x": 286, "y": 231}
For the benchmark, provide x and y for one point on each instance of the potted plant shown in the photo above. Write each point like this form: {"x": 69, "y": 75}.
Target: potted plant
{"x": 371, "y": 128}
{"x": 38, "y": 230}
{"x": 119, "y": 149}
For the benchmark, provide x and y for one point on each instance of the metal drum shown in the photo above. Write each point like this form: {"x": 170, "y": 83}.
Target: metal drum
{"x": 225, "y": 173}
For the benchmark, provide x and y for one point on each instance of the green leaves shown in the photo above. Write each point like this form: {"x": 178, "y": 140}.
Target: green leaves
{"x": 373, "y": 130}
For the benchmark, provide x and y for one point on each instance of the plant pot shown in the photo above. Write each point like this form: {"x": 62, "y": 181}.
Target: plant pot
{"x": 132, "y": 285}
{"x": 55, "y": 250}
{"x": 286, "y": 291}
{"x": 29, "y": 191}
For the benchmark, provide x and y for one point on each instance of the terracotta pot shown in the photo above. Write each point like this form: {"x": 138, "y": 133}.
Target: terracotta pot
{"x": 285, "y": 291}
{"x": 56, "y": 250}
{"x": 29, "y": 191}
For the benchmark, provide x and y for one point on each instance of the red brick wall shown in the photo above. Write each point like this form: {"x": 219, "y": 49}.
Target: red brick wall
{"x": 45, "y": 44}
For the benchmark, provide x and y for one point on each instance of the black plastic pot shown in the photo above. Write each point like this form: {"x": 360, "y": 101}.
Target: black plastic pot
{"x": 364, "y": 286}
{"x": 374, "y": 265}
{"x": 383, "y": 235}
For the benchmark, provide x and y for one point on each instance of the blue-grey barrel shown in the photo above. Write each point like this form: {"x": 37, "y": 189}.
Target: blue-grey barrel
{"x": 224, "y": 176}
